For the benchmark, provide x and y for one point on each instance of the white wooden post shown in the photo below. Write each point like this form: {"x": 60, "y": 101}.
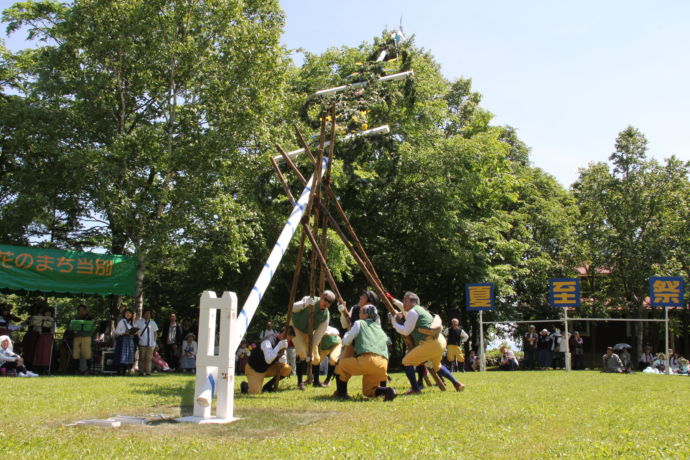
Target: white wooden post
{"x": 215, "y": 373}
{"x": 482, "y": 355}
{"x": 567, "y": 341}
{"x": 666, "y": 353}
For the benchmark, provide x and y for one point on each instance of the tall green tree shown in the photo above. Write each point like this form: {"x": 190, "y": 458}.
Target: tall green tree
{"x": 634, "y": 215}
{"x": 167, "y": 104}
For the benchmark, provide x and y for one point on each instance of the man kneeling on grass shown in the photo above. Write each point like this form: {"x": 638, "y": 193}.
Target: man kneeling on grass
{"x": 267, "y": 361}
{"x": 370, "y": 360}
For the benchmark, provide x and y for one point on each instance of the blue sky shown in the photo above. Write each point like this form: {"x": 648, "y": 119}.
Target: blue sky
{"x": 568, "y": 75}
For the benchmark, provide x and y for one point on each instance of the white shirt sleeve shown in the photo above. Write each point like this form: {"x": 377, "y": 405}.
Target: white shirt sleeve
{"x": 344, "y": 320}
{"x": 270, "y": 353}
{"x": 330, "y": 330}
{"x": 445, "y": 332}
{"x": 352, "y": 334}
{"x": 300, "y": 304}
{"x": 463, "y": 336}
{"x": 121, "y": 327}
{"x": 410, "y": 323}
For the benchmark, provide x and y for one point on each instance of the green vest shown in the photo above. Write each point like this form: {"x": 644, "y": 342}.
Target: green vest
{"x": 300, "y": 319}
{"x": 423, "y": 322}
{"x": 371, "y": 339}
{"x": 328, "y": 342}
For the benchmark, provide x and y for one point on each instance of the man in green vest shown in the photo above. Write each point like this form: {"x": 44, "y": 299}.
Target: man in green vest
{"x": 306, "y": 330}
{"x": 370, "y": 360}
{"x": 428, "y": 347}
{"x": 329, "y": 349}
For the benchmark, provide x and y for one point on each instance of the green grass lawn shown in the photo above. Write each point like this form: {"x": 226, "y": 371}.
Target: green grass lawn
{"x": 500, "y": 415}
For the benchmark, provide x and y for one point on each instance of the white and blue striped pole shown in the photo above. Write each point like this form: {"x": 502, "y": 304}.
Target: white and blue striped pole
{"x": 245, "y": 316}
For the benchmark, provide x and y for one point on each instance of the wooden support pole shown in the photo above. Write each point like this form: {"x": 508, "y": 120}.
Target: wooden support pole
{"x": 307, "y": 230}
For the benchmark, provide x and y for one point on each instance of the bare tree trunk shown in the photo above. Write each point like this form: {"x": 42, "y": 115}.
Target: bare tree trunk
{"x": 140, "y": 284}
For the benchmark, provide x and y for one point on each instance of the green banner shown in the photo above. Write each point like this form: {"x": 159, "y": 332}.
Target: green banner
{"x": 52, "y": 270}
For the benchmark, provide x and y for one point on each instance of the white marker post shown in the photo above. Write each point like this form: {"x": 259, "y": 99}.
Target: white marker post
{"x": 215, "y": 373}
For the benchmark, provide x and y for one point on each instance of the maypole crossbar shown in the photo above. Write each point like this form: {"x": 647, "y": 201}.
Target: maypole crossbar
{"x": 384, "y": 129}
{"x": 392, "y": 77}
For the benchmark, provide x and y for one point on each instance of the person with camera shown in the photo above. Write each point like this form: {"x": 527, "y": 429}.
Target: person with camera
{"x": 267, "y": 361}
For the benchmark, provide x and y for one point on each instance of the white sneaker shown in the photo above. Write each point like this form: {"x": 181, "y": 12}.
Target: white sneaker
{"x": 21, "y": 374}
{"x": 31, "y": 374}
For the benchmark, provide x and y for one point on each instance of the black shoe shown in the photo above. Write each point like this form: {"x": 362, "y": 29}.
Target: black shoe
{"x": 389, "y": 394}
{"x": 244, "y": 388}
{"x": 270, "y": 386}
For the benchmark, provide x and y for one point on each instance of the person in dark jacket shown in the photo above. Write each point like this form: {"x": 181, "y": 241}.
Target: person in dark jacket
{"x": 267, "y": 361}
{"x": 172, "y": 338}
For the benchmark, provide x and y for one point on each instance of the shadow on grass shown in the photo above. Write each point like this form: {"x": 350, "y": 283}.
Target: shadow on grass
{"x": 185, "y": 393}
{"x": 351, "y": 399}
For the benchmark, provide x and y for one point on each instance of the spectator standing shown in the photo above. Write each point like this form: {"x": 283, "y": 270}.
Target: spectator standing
{"x": 81, "y": 344}
{"x": 147, "y": 341}
{"x": 530, "y": 348}
{"x": 611, "y": 362}
{"x": 577, "y": 348}
{"x": 558, "y": 356}
{"x": 189, "y": 351}
{"x": 172, "y": 340}
{"x": 291, "y": 354}
{"x": 241, "y": 357}
{"x": 267, "y": 331}
{"x": 646, "y": 358}
{"x": 124, "y": 342}
{"x": 544, "y": 349}
{"x": 44, "y": 345}
{"x": 455, "y": 338}
{"x": 30, "y": 339}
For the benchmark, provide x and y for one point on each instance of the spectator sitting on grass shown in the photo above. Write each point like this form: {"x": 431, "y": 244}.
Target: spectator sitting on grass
{"x": 508, "y": 360}
{"x": 10, "y": 361}
{"x": 646, "y": 358}
{"x": 611, "y": 362}
{"x": 682, "y": 366}
{"x": 673, "y": 361}
{"x": 158, "y": 363}
{"x": 660, "y": 363}
{"x": 626, "y": 360}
